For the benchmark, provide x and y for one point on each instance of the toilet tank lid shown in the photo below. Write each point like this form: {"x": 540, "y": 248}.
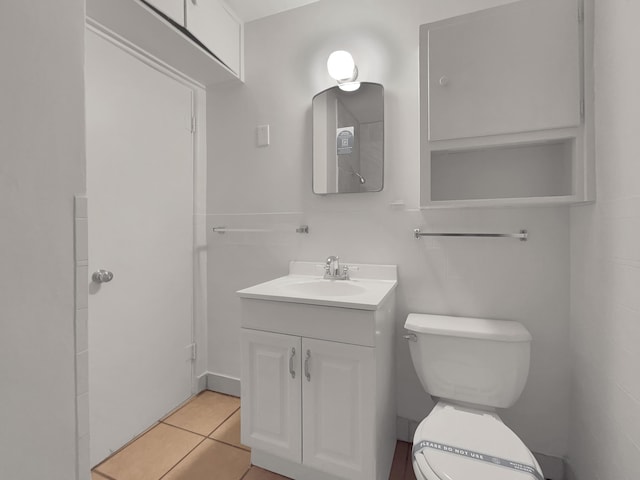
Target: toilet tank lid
{"x": 466, "y": 327}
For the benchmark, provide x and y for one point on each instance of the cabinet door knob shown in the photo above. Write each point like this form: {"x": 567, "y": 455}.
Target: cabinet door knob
{"x": 444, "y": 81}
{"x": 292, "y": 370}
{"x": 307, "y": 360}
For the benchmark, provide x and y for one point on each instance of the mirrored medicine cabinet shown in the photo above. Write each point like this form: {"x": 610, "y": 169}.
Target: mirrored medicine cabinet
{"x": 348, "y": 140}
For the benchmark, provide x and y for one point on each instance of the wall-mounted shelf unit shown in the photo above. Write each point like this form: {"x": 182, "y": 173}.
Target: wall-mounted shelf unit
{"x": 183, "y": 42}
{"x": 506, "y": 117}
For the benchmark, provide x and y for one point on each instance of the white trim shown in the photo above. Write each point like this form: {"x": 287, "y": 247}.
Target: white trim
{"x": 151, "y": 60}
{"x": 223, "y": 384}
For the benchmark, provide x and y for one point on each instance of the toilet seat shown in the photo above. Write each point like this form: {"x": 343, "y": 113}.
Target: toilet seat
{"x": 460, "y": 443}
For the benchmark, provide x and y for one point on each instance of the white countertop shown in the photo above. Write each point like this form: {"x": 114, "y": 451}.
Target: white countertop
{"x": 367, "y": 288}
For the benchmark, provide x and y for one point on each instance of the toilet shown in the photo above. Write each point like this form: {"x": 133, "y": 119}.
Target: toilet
{"x": 472, "y": 366}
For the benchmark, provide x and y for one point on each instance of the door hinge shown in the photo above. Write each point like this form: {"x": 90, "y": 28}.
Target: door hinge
{"x": 581, "y": 13}
{"x": 192, "y": 351}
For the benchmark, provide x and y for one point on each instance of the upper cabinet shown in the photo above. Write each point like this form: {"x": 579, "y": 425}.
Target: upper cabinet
{"x": 509, "y": 69}
{"x": 174, "y": 9}
{"x": 503, "y": 118}
{"x": 217, "y": 28}
{"x": 200, "y": 38}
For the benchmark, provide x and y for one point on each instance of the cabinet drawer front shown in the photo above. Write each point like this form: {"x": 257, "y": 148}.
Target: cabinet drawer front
{"x": 514, "y": 68}
{"x": 338, "y": 389}
{"x": 271, "y": 393}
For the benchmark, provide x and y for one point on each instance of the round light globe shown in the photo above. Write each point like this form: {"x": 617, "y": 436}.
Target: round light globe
{"x": 341, "y": 65}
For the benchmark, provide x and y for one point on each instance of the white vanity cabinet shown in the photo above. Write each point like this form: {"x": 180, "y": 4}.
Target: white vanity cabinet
{"x": 332, "y": 383}
{"x": 318, "y": 394}
{"x": 506, "y": 106}
{"x": 174, "y": 9}
{"x": 271, "y": 393}
{"x": 211, "y": 22}
{"x": 338, "y": 400}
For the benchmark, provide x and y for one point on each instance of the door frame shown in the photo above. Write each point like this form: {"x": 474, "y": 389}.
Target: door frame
{"x": 199, "y": 264}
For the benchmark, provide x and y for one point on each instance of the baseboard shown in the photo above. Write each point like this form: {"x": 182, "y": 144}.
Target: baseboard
{"x": 223, "y": 384}
{"x": 552, "y": 467}
{"x": 569, "y": 473}
{"x": 201, "y": 382}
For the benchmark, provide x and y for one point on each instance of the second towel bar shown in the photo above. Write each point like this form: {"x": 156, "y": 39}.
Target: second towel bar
{"x": 523, "y": 235}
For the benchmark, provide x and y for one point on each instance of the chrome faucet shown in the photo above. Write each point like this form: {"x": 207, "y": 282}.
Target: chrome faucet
{"x": 332, "y": 270}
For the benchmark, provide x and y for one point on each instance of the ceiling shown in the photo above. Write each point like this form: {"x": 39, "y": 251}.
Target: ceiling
{"x": 249, "y": 10}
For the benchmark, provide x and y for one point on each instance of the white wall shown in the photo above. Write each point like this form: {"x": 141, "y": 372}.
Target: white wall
{"x": 41, "y": 168}
{"x": 251, "y": 187}
{"x": 605, "y": 265}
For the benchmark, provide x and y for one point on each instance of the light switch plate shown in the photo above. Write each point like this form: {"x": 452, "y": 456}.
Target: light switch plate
{"x": 263, "y": 135}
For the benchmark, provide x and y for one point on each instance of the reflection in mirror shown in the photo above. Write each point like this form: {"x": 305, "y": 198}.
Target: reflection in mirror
{"x": 348, "y": 140}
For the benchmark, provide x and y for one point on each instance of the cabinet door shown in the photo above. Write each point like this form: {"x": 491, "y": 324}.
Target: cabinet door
{"x": 271, "y": 393}
{"x": 174, "y": 9}
{"x": 338, "y": 391}
{"x": 513, "y": 68}
{"x": 211, "y": 23}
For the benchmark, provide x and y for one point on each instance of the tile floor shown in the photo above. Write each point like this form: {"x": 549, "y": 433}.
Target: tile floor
{"x": 199, "y": 441}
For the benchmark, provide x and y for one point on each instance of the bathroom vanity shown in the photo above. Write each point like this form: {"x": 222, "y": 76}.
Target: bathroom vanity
{"x": 318, "y": 392}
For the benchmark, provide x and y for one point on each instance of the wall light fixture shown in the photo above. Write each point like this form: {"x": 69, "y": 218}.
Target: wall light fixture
{"x": 343, "y": 69}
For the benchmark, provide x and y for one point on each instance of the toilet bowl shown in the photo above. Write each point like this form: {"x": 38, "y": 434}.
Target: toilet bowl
{"x": 472, "y": 366}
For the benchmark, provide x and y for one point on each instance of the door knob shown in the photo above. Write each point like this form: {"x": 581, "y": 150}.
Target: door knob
{"x": 102, "y": 276}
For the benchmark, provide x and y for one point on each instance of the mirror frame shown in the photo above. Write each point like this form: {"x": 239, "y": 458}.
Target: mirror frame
{"x": 382, "y": 166}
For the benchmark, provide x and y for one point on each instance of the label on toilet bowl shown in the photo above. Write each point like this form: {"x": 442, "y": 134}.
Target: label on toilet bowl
{"x": 481, "y": 457}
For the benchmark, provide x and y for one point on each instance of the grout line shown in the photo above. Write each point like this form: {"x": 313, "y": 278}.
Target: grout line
{"x": 246, "y": 473}
{"x": 179, "y": 461}
{"x": 108, "y": 477}
{"x": 182, "y": 428}
{"x": 223, "y": 422}
{"x": 229, "y": 444}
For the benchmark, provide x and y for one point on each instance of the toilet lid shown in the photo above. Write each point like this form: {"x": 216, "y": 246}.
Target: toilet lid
{"x": 465, "y": 444}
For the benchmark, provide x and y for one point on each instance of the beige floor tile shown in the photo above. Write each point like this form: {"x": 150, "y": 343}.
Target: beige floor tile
{"x": 212, "y": 460}
{"x": 257, "y": 473}
{"x": 229, "y": 431}
{"x": 97, "y": 476}
{"x": 151, "y": 455}
{"x": 204, "y": 413}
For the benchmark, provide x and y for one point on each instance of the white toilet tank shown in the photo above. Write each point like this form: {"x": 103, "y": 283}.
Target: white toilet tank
{"x": 473, "y": 360}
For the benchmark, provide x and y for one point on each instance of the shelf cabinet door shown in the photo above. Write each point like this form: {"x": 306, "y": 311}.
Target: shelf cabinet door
{"x": 339, "y": 408}
{"x": 218, "y": 30}
{"x": 271, "y": 393}
{"x": 174, "y": 9}
{"x": 513, "y": 68}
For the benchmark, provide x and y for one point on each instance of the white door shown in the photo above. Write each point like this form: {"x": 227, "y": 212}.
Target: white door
{"x": 513, "y": 68}
{"x": 271, "y": 394}
{"x": 140, "y": 189}
{"x": 338, "y": 394}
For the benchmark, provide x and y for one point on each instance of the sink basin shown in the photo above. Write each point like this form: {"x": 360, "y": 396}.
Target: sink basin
{"x": 330, "y": 288}
{"x": 367, "y": 289}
